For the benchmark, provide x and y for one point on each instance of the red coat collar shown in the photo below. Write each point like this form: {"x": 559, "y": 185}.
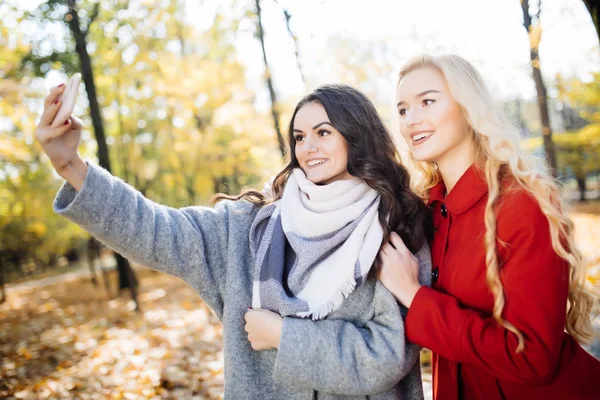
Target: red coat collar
{"x": 468, "y": 190}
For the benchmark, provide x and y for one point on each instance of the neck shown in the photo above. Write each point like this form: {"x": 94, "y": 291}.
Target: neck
{"x": 455, "y": 163}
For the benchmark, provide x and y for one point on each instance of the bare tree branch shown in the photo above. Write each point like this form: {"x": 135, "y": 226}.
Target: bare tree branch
{"x": 288, "y": 17}
{"x": 274, "y": 107}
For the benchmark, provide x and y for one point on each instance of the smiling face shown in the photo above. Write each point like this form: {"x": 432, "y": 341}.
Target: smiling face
{"x": 321, "y": 151}
{"x": 431, "y": 122}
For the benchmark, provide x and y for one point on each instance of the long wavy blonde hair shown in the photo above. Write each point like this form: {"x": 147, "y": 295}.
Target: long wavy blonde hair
{"x": 498, "y": 153}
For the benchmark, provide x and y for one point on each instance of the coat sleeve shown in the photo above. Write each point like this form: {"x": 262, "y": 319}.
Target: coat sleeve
{"x": 339, "y": 357}
{"x": 189, "y": 243}
{"x": 535, "y": 282}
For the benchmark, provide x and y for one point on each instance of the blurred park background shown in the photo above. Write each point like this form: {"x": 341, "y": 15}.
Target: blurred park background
{"x": 185, "y": 98}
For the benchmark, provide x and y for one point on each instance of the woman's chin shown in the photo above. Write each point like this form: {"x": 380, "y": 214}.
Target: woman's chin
{"x": 318, "y": 179}
{"x": 423, "y": 156}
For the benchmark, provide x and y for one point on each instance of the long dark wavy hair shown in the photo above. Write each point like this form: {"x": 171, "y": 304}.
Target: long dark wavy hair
{"x": 372, "y": 157}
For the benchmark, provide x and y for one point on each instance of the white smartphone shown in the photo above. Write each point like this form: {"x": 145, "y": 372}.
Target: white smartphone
{"x": 68, "y": 99}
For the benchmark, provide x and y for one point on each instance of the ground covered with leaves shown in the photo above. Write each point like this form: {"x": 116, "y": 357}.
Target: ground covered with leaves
{"x": 68, "y": 339}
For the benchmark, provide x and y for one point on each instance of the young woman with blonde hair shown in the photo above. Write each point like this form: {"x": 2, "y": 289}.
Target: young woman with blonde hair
{"x": 508, "y": 305}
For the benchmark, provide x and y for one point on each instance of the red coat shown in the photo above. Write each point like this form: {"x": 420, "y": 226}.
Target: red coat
{"x": 473, "y": 356}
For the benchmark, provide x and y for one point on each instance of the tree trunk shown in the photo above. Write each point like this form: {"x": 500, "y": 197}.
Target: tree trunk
{"x": 87, "y": 73}
{"x": 106, "y": 279}
{"x": 121, "y": 125}
{"x": 127, "y": 279}
{"x": 274, "y": 106}
{"x": 88, "y": 79}
{"x": 592, "y": 6}
{"x": 94, "y": 254}
{"x": 91, "y": 257}
{"x": 540, "y": 87}
{"x": 220, "y": 185}
{"x": 2, "y": 288}
{"x": 103, "y": 269}
{"x": 581, "y": 185}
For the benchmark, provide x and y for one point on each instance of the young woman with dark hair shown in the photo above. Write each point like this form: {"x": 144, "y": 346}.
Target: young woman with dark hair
{"x": 320, "y": 326}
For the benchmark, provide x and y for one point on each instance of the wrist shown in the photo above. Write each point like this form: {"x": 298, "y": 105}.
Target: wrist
{"x": 74, "y": 172}
{"x": 410, "y": 295}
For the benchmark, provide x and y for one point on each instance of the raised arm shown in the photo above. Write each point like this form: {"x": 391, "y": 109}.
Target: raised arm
{"x": 189, "y": 243}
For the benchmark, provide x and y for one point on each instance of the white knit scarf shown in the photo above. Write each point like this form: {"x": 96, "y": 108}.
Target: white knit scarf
{"x": 314, "y": 246}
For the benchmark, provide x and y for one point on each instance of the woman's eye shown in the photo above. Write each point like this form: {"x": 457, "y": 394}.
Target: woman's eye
{"x": 402, "y": 112}
{"x": 428, "y": 101}
{"x": 298, "y": 138}
{"x": 323, "y": 132}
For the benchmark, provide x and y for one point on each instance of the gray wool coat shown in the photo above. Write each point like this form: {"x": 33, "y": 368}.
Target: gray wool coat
{"x": 357, "y": 352}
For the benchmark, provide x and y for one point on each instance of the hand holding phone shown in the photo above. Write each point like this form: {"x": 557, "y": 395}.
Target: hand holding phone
{"x": 68, "y": 100}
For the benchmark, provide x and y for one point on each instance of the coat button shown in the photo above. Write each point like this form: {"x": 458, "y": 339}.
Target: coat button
{"x": 435, "y": 274}
{"x": 444, "y": 210}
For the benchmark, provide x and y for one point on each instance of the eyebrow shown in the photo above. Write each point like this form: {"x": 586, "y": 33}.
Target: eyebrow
{"x": 315, "y": 127}
{"x": 420, "y": 95}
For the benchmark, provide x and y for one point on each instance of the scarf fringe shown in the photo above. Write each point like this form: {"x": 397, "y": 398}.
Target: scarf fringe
{"x": 332, "y": 304}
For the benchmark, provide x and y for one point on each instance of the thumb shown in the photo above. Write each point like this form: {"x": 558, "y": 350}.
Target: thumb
{"x": 76, "y": 122}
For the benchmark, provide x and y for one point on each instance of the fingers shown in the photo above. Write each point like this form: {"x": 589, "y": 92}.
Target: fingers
{"x": 395, "y": 244}
{"x": 398, "y": 243}
{"x": 60, "y": 130}
{"x": 50, "y": 111}
{"x": 248, "y": 328}
{"x": 387, "y": 249}
{"x": 250, "y": 315}
{"x": 54, "y": 94}
{"x": 396, "y": 253}
{"x": 51, "y": 105}
{"x": 48, "y": 133}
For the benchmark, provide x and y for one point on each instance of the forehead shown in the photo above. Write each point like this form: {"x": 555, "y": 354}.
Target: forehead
{"x": 420, "y": 80}
{"x": 310, "y": 114}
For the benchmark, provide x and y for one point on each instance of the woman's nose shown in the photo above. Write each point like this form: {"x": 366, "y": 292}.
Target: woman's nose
{"x": 413, "y": 118}
{"x": 310, "y": 145}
